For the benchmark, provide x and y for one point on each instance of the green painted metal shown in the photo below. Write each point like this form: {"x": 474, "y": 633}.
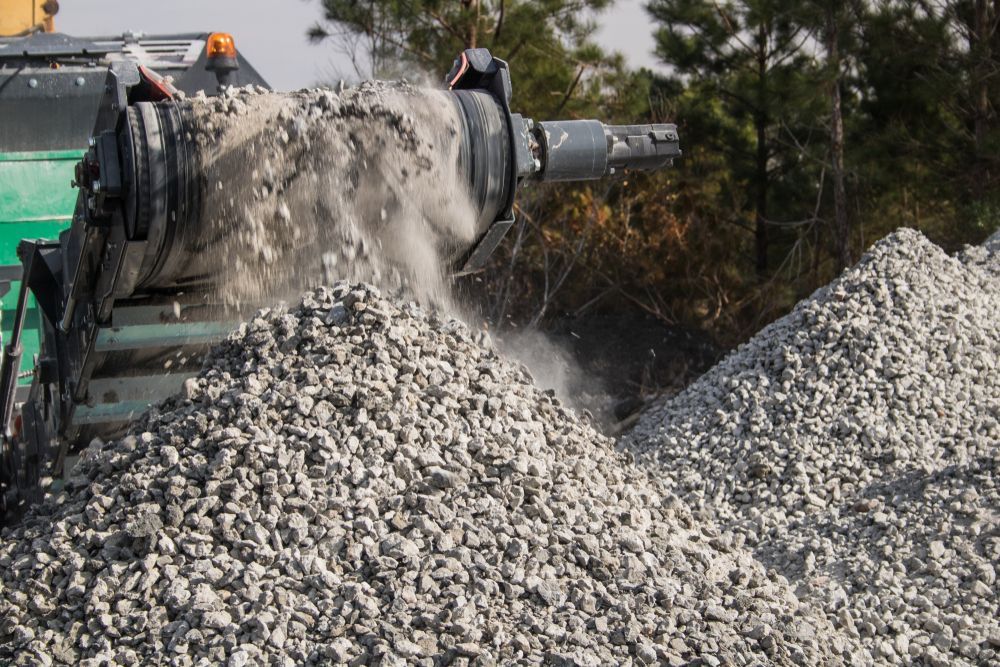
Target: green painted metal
{"x": 103, "y": 413}
{"x": 35, "y": 188}
{"x": 36, "y": 202}
{"x": 122, "y": 399}
{"x": 143, "y": 336}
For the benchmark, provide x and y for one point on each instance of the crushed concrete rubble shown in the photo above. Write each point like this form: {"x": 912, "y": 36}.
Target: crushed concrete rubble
{"x": 855, "y": 443}
{"x": 357, "y": 480}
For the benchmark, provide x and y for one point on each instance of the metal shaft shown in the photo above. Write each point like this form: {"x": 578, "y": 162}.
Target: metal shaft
{"x": 580, "y": 150}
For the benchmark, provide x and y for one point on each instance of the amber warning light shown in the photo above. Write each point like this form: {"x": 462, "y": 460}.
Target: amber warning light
{"x": 221, "y": 45}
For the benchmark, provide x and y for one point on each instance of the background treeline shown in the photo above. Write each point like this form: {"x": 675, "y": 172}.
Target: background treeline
{"x": 809, "y": 129}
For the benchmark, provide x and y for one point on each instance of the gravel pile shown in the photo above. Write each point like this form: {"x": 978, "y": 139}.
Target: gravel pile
{"x": 855, "y": 443}
{"x": 356, "y": 480}
{"x": 910, "y": 567}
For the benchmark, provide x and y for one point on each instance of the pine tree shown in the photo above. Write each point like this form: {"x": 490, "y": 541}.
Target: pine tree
{"x": 926, "y": 139}
{"x": 556, "y": 67}
{"x": 751, "y": 56}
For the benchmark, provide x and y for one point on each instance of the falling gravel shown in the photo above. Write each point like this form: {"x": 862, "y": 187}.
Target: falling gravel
{"x": 304, "y": 188}
{"x": 855, "y": 444}
{"x": 355, "y": 479}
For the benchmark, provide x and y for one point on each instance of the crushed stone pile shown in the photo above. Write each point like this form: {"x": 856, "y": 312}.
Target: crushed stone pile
{"x": 357, "y": 480}
{"x": 910, "y": 567}
{"x": 854, "y": 444}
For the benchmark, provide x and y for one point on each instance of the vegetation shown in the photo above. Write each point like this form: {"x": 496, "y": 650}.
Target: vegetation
{"x": 810, "y": 130}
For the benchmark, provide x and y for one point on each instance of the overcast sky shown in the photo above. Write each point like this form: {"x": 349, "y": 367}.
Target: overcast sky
{"x": 271, "y": 33}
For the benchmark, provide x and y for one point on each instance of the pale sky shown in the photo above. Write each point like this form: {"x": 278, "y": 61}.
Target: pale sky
{"x": 271, "y": 33}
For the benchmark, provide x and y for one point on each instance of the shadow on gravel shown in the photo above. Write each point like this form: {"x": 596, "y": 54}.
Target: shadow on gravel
{"x": 633, "y": 357}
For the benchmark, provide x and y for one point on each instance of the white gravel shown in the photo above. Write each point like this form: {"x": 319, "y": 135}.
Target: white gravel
{"x": 356, "y": 480}
{"x": 854, "y": 444}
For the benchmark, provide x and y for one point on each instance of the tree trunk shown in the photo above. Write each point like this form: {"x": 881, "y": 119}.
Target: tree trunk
{"x": 760, "y": 213}
{"x": 981, "y": 54}
{"x": 760, "y": 170}
{"x": 472, "y": 28}
{"x": 842, "y": 232}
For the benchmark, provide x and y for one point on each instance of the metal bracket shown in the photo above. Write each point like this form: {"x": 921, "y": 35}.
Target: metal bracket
{"x": 477, "y": 69}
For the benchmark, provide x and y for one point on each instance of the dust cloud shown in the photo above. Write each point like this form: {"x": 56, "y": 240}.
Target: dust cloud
{"x": 310, "y": 187}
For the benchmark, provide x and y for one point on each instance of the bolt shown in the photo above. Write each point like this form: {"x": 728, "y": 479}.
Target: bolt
{"x": 97, "y": 185}
{"x": 91, "y": 141}
{"x": 80, "y": 81}
{"x": 32, "y": 83}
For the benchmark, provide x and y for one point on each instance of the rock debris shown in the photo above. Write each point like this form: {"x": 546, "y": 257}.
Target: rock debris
{"x": 357, "y": 480}
{"x": 855, "y": 445}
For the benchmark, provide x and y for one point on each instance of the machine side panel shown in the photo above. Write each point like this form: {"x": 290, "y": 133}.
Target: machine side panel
{"x": 35, "y": 202}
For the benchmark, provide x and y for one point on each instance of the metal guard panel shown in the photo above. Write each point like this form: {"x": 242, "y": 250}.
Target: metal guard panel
{"x": 144, "y": 336}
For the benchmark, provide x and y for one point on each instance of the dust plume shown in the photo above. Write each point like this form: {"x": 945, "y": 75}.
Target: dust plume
{"x": 306, "y": 188}
{"x": 553, "y": 367}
